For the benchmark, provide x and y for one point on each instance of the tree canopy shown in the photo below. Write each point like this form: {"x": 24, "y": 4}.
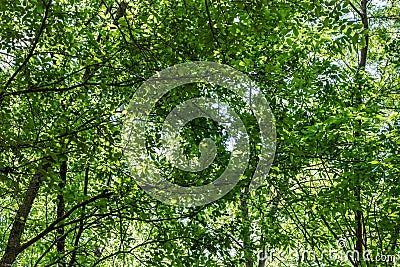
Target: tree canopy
{"x": 330, "y": 71}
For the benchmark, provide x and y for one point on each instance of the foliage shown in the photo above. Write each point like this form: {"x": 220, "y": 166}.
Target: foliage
{"x": 69, "y": 68}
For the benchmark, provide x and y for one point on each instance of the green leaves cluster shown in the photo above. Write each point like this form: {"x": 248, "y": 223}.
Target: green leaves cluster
{"x": 69, "y": 68}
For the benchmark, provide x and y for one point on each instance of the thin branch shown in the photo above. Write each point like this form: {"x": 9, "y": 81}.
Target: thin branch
{"x": 34, "y": 44}
{"x": 210, "y": 23}
{"x": 52, "y": 226}
{"x": 355, "y": 9}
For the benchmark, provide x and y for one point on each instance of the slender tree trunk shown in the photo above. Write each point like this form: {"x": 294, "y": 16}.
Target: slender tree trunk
{"x": 246, "y": 228}
{"x": 81, "y": 223}
{"x": 14, "y": 240}
{"x": 262, "y": 256}
{"x": 360, "y": 242}
{"x": 61, "y": 209}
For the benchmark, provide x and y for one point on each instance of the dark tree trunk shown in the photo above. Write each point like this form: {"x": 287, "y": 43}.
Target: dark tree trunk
{"x": 14, "y": 240}
{"x": 61, "y": 209}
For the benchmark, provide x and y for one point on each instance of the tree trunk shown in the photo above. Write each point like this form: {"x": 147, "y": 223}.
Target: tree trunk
{"x": 14, "y": 240}
{"x": 61, "y": 209}
{"x": 360, "y": 242}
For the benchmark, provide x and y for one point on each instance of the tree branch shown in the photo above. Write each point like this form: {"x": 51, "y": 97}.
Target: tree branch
{"x": 14, "y": 240}
{"x": 52, "y": 226}
{"x": 34, "y": 44}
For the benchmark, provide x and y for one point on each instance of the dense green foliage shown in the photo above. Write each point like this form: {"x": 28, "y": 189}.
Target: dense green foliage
{"x": 329, "y": 69}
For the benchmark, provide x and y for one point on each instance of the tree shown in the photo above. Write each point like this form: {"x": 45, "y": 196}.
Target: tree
{"x": 330, "y": 72}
